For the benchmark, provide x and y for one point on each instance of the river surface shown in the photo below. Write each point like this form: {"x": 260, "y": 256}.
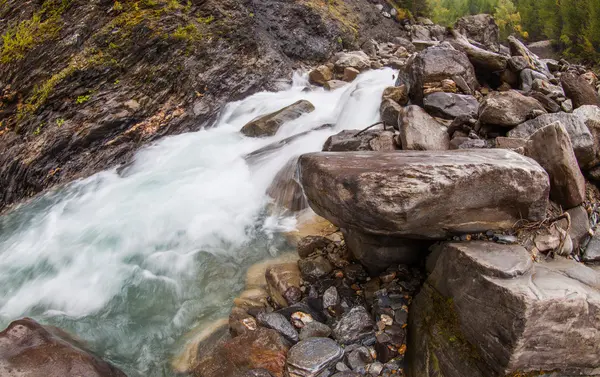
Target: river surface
{"x": 131, "y": 260}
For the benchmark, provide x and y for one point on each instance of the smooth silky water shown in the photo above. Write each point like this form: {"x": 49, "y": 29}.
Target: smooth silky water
{"x": 130, "y": 261}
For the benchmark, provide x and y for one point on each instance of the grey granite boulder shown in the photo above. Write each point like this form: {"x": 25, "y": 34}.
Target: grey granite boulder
{"x": 419, "y": 131}
{"x": 450, "y": 105}
{"x": 310, "y": 357}
{"x": 424, "y": 194}
{"x": 487, "y": 310}
{"x": 580, "y": 135}
{"x": 507, "y": 109}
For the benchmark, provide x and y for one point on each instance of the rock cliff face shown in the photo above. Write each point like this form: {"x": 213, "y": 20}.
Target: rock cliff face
{"x": 83, "y": 84}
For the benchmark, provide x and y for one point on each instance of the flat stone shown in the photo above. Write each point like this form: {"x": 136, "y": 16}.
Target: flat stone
{"x": 269, "y": 124}
{"x": 278, "y": 323}
{"x": 419, "y": 131}
{"x": 354, "y": 326}
{"x": 507, "y": 109}
{"x": 581, "y": 137}
{"x": 315, "y": 329}
{"x": 425, "y": 194}
{"x": 488, "y": 310}
{"x": 551, "y": 147}
{"x": 280, "y": 278}
{"x": 310, "y": 357}
{"x": 370, "y": 140}
{"x": 450, "y": 105}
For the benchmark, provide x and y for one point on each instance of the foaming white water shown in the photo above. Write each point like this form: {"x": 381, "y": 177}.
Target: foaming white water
{"x": 142, "y": 255}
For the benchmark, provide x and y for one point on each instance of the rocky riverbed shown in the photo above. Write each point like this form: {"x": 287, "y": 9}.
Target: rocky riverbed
{"x": 455, "y": 238}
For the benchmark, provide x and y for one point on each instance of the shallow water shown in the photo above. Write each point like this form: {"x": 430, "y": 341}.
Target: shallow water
{"x": 131, "y": 261}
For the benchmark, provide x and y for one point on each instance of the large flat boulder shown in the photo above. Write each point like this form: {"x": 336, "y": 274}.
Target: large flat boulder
{"x": 269, "y": 124}
{"x": 487, "y": 310}
{"x": 424, "y": 194}
{"x": 581, "y": 138}
{"x": 450, "y": 105}
{"x": 28, "y": 349}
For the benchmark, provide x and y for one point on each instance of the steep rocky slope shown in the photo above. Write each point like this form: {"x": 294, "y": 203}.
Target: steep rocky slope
{"x": 83, "y": 84}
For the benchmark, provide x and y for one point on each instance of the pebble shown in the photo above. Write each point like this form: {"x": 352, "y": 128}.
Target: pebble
{"x": 331, "y": 297}
{"x": 301, "y": 319}
{"x": 354, "y": 326}
{"x": 280, "y": 324}
{"x": 315, "y": 330}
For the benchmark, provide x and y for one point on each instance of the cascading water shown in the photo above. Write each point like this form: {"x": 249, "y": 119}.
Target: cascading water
{"x": 129, "y": 261}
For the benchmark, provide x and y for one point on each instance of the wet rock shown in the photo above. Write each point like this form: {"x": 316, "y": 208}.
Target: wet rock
{"x": 377, "y": 252}
{"x": 434, "y": 65}
{"x": 581, "y": 138}
{"x": 240, "y": 322}
{"x": 315, "y": 330}
{"x": 269, "y": 124}
{"x": 314, "y": 267}
{"x": 310, "y": 357}
{"x": 285, "y": 190}
{"x": 330, "y": 297}
{"x": 310, "y": 244}
{"x": 551, "y": 147}
{"x": 350, "y": 74}
{"x": 354, "y": 326}
{"x": 391, "y": 194}
{"x": 389, "y": 111}
{"x": 257, "y": 373}
{"x": 478, "y": 290}
{"x": 280, "y": 278}
{"x": 546, "y": 88}
{"x": 481, "y": 28}
{"x": 359, "y": 358}
{"x": 419, "y": 131}
{"x": 450, "y": 106}
{"x": 507, "y": 109}
{"x": 397, "y": 94}
{"x": 354, "y": 59}
{"x": 29, "y": 349}
{"x": 334, "y": 84}
{"x": 260, "y": 349}
{"x": 579, "y": 90}
{"x": 278, "y": 323}
{"x": 252, "y": 298}
{"x": 200, "y": 341}
{"x": 320, "y": 75}
{"x": 370, "y": 140}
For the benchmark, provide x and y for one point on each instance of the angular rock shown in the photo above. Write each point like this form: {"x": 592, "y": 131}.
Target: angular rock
{"x": 488, "y": 310}
{"x": 320, "y": 75}
{"x": 315, "y": 329}
{"x": 528, "y": 77}
{"x": 548, "y": 103}
{"x": 580, "y": 225}
{"x": 425, "y": 194}
{"x": 359, "y": 358}
{"x": 590, "y": 115}
{"x": 314, "y": 268}
{"x": 260, "y": 349}
{"x": 397, "y": 94}
{"x": 481, "y": 58}
{"x": 551, "y": 147}
{"x": 377, "y": 253}
{"x": 462, "y": 142}
{"x": 269, "y": 124}
{"x": 481, "y": 28}
{"x": 240, "y": 322}
{"x": 354, "y": 59}
{"x": 330, "y": 297}
{"x": 278, "y": 323}
{"x": 350, "y": 74}
{"x": 579, "y": 90}
{"x": 581, "y": 138}
{"x": 370, "y": 140}
{"x": 434, "y": 65}
{"x": 450, "y": 106}
{"x": 518, "y": 63}
{"x": 507, "y": 109}
{"x": 28, "y": 349}
{"x": 354, "y": 326}
{"x": 334, "y": 84}
{"x": 517, "y": 48}
{"x": 285, "y": 190}
{"x": 592, "y": 251}
{"x": 281, "y": 278}
{"x": 308, "y": 245}
{"x": 510, "y": 143}
{"x": 389, "y": 111}
{"x": 310, "y": 357}
{"x": 419, "y": 131}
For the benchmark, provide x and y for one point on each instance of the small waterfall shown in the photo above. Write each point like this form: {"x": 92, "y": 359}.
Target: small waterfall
{"x": 130, "y": 260}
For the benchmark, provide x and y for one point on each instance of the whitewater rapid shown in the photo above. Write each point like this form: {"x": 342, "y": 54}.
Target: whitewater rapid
{"x": 130, "y": 260}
